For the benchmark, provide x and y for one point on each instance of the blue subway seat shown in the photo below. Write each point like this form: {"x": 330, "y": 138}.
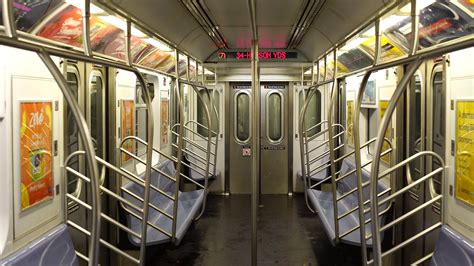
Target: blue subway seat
{"x": 322, "y": 201}
{"x": 54, "y": 248}
{"x": 189, "y": 204}
{"x": 452, "y": 249}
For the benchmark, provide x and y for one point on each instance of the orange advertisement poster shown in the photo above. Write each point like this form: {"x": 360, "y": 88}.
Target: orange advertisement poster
{"x": 36, "y": 157}
{"x": 128, "y": 126}
{"x": 164, "y": 122}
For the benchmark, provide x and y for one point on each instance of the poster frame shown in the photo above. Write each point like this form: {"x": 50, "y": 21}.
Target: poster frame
{"x": 370, "y": 104}
{"x": 457, "y": 101}
{"x": 49, "y": 198}
{"x": 123, "y": 157}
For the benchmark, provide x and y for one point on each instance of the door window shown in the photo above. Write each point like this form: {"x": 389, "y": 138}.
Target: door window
{"x": 242, "y": 116}
{"x": 201, "y": 113}
{"x": 72, "y": 135}
{"x": 274, "y": 116}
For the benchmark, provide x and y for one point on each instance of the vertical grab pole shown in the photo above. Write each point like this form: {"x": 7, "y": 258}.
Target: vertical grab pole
{"x": 179, "y": 156}
{"x": 9, "y": 19}
{"x": 358, "y": 161}
{"x": 308, "y": 168}
{"x": 90, "y": 155}
{"x": 357, "y": 154}
{"x": 304, "y": 146}
{"x": 252, "y": 5}
{"x": 216, "y": 113}
{"x": 208, "y": 153}
{"x": 255, "y": 148}
{"x": 332, "y": 152}
{"x": 86, "y": 27}
{"x": 374, "y": 204}
{"x": 148, "y": 165}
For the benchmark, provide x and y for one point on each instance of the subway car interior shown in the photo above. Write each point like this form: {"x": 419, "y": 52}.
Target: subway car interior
{"x": 224, "y": 132}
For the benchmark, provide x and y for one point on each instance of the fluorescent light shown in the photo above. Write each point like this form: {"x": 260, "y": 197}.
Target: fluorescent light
{"x": 158, "y": 44}
{"x": 115, "y": 21}
{"x": 138, "y": 33}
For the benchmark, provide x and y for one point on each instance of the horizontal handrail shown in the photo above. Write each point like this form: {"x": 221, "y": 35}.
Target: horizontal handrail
{"x": 410, "y": 240}
{"x": 412, "y": 185}
{"x": 140, "y": 160}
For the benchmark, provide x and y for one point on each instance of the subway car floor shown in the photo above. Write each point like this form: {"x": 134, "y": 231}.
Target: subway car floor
{"x": 288, "y": 234}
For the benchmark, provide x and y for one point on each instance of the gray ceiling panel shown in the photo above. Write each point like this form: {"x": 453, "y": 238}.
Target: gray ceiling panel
{"x": 314, "y": 44}
{"x": 278, "y": 13}
{"x": 273, "y": 37}
{"x": 275, "y": 19}
{"x": 237, "y": 37}
{"x": 229, "y": 13}
{"x": 171, "y": 20}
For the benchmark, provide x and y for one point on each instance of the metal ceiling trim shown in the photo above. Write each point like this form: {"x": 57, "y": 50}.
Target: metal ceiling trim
{"x": 304, "y": 21}
{"x": 202, "y": 14}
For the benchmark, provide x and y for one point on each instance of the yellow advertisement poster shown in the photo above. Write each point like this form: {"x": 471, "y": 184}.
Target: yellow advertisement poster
{"x": 36, "y": 157}
{"x": 350, "y": 123}
{"x": 389, "y": 50}
{"x": 388, "y": 134}
{"x": 464, "y": 151}
{"x": 127, "y": 126}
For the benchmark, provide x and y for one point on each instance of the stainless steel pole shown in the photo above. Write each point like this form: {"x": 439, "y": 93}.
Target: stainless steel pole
{"x": 86, "y": 138}
{"x": 9, "y": 19}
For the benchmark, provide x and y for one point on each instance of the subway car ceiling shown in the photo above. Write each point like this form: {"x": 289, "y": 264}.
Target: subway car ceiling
{"x": 310, "y": 26}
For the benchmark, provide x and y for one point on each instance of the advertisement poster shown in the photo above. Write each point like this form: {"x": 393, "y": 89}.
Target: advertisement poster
{"x": 350, "y": 123}
{"x": 388, "y": 133}
{"x": 370, "y": 95}
{"x": 464, "y": 151}
{"x": 36, "y": 157}
{"x": 164, "y": 140}
{"x": 127, "y": 126}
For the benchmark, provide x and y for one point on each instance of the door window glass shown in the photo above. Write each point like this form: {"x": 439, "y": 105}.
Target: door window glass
{"x": 438, "y": 124}
{"x": 313, "y": 112}
{"x": 274, "y": 116}
{"x": 72, "y": 136}
{"x": 96, "y": 97}
{"x": 242, "y": 117}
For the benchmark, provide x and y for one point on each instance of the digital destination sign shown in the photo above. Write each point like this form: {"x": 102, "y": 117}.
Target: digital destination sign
{"x": 262, "y": 55}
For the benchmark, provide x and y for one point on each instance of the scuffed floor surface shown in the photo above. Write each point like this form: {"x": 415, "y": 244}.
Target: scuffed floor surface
{"x": 288, "y": 234}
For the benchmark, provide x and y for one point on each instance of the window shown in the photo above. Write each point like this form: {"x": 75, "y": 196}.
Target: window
{"x": 274, "y": 116}
{"x": 141, "y": 117}
{"x": 439, "y": 107}
{"x": 414, "y": 128}
{"x": 96, "y": 112}
{"x": 313, "y": 112}
{"x": 201, "y": 113}
{"x": 72, "y": 134}
{"x": 242, "y": 116}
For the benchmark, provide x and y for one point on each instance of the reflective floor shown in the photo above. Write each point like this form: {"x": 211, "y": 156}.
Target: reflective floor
{"x": 288, "y": 234}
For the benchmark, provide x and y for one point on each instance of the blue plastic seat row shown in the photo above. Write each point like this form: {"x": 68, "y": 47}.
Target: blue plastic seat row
{"x": 54, "y": 248}
{"x": 189, "y": 204}
{"x": 322, "y": 201}
{"x": 452, "y": 249}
